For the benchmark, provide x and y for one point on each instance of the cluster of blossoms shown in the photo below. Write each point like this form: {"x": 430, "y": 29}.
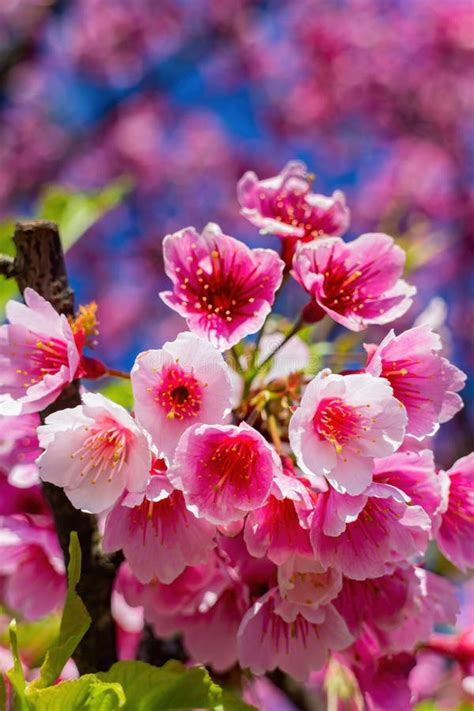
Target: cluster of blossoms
{"x": 271, "y": 518}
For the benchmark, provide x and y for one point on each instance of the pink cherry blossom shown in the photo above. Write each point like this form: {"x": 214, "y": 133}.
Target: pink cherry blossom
{"x": 185, "y": 382}
{"x": 31, "y": 560}
{"x": 356, "y": 284}
{"x": 456, "y": 533}
{"x": 157, "y": 532}
{"x": 366, "y": 537}
{"x": 224, "y": 470}
{"x": 378, "y": 600}
{"x": 19, "y": 449}
{"x": 296, "y": 639}
{"x": 414, "y": 473}
{"x": 39, "y": 355}
{"x": 342, "y": 424}
{"x": 279, "y": 529}
{"x": 222, "y": 288}
{"x": 94, "y": 452}
{"x": 425, "y": 382}
{"x": 285, "y": 206}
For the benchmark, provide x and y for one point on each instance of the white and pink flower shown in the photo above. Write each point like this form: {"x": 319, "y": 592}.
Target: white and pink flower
{"x": 356, "y": 283}
{"x": 185, "y": 382}
{"x": 221, "y": 287}
{"x": 94, "y": 452}
{"x": 224, "y": 471}
{"x": 342, "y": 424}
{"x": 39, "y": 355}
{"x": 421, "y": 378}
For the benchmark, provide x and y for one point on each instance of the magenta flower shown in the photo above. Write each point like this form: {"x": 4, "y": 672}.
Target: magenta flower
{"x": 297, "y": 639}
{"x": 342, "y": 424}
{"x": 356, "y": 284}
{"x": 456, "y": 533}
{"x": 157, "y": 532}
{"x": 94, "y": 451}
{"x": 185, "y": 382}
{"x": 39, "y": 355}
{"x": 285, "y": 206}
{"x": 426, "y": 383}
{"x": 302, "y": 580}
{"x": 31, "y": 560}
{"x": 366, "y": 536}
{"x": 222, "y": 288}
{"x": 224, "y": 471}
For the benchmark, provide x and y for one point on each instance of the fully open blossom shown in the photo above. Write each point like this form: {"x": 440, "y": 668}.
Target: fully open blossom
{"x": 342, "y": 424}
{"x": 295, "y": 638}
{"x": 456, "y": 533}
{"x": 365, "y": 536}
{"x": 33, "y": 566}
{"x": 356, "y": 284}
{"x": 185, "y": 382}
{"x": 222, "y": 288}
{"x": 157, "y": 532}
{"x": 39, "y": 355}
{"x": 224, "y": 470}
{"x": 424, "y": 381}
{"x": 94, "y": 452}
{"x": 285, "y": 206}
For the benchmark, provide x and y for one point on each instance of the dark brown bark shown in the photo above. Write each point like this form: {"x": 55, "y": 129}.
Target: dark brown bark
{"x": 39, "y": 264}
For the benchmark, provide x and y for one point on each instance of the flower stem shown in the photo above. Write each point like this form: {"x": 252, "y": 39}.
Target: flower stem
{"x": 293, "y": 331}
{"x": 112, "y": 373}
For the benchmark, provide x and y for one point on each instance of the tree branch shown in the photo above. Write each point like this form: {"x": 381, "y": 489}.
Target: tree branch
{"x": 39, "y": 264}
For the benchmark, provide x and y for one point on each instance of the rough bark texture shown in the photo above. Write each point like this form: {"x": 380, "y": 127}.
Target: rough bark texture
{"x": 39, "y": 264}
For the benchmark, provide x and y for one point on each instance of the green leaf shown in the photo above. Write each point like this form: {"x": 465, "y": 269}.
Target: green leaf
{"x": 75, "y": 622}
{"x": 85, "y": 694}
{"x": 120, "y": 391}
{"x": 3, "y": 693}
{"x": 15, "y": 674}
{"x": 75, "y": 212}
{"x": 173, "y": 686}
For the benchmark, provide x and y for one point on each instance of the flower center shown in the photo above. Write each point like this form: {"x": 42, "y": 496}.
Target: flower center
{"x": 231, "y": 462}
{"x": 179, "y": 394}
{"x": 43, "y": 358}
{"x": 104, "y": 450}
{"x": 336, "y": 421}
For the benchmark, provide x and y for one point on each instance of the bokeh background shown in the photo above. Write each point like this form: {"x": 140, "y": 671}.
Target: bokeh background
{"x": 175, "y": 99}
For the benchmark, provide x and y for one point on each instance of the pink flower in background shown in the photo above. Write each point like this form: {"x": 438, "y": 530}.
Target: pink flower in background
{"x": 39, "y": 355}
{"x": 456, "y": 533}
{"x": 31, "y": 560}
{"x": 426, "y": 383}
{"x": 285, "y": 206}
{"x": 185, "y": 382}
{"x": 224, "y": 471}
{"x": 222, "y": 288}
{"x": 94, "y": 452}
{"x": 368, "y": 537}
{"x": 297, "y": 639}
{"x": 356, "y": 284}
{"x": 158, "y": 534}
{"x": 19, "y": 449}
{"x": 342, "y": 424}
